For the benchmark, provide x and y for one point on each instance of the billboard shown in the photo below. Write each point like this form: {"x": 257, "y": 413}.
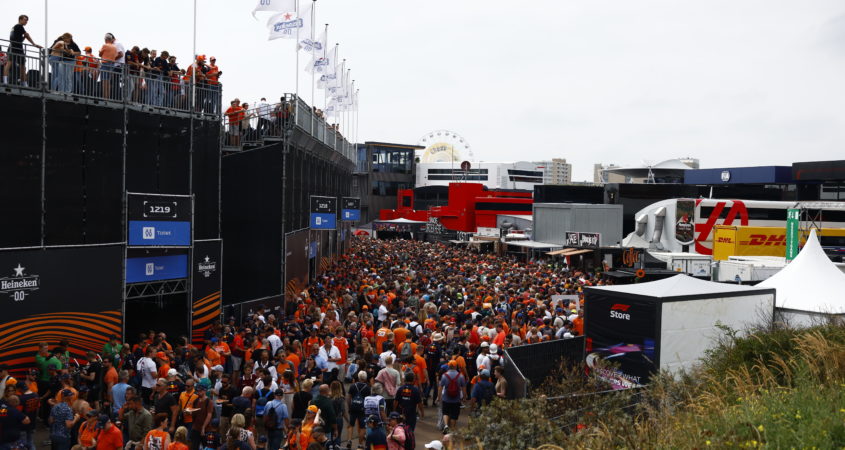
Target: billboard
{"x": 684, "y": 221}
{"x": 206, "y": 280}
{"x": 623, "y": 334}
{"x": 53, "y": 294}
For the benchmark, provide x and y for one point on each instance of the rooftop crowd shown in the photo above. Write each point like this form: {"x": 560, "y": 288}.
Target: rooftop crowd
{"x": 115, "y": 71}
{"x": 391, "y": 327}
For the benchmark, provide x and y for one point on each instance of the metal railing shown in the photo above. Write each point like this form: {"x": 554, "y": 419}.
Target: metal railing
{"x": 92, "y": 77}
{"x": 253, "y": 126}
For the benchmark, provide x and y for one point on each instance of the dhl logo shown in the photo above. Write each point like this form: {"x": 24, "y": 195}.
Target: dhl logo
{"x": 725, "y": 240}
{"x": 765, "y": 240}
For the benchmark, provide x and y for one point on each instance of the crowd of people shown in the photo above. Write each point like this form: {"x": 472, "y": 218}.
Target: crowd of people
{"x": 137, "y": 74}
{"x": 389, "y": 328}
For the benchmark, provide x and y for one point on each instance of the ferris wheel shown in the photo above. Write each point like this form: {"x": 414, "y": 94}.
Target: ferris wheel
{"x": 444, "y": 146}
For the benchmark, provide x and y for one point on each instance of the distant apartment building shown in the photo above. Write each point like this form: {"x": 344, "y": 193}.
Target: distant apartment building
{"x": 557, "y": 171}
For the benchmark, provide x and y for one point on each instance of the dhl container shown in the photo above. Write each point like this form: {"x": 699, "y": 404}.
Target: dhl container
{"x": 748, "y": 241}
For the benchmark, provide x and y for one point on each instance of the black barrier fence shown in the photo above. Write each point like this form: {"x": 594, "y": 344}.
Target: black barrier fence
{"x": 527, "y": 366}
{"x": 272, "y": 305}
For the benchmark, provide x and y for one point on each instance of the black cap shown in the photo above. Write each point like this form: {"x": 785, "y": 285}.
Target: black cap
{"x": 102, "y": 421}
{"x": 279, "y": 392}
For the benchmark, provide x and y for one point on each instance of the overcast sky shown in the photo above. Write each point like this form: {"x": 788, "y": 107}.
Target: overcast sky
{"x": 729, "y": 82}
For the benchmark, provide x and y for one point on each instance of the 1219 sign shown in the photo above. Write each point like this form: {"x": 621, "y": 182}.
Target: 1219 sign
{"x": 160, "y": 209}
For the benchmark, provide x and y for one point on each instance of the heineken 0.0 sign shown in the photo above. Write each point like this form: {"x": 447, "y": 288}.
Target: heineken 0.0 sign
{"x": 793, "y": 218}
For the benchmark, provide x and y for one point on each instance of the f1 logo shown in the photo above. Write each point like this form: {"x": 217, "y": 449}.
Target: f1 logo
{"x": 150, "y": 269}
{"x": 148, "y": 233}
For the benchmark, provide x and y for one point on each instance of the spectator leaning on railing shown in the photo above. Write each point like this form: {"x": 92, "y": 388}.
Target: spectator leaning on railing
{"x": 235, "y": 114}
{"x": 16, "y": 50}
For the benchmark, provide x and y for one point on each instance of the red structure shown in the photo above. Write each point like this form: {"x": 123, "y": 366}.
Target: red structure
{"x": 471, "y": 205}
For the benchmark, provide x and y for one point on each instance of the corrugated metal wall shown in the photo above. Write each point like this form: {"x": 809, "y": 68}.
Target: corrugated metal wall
{"x": 553, "y": 220}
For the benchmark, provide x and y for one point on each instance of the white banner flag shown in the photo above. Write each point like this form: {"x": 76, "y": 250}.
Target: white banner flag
{"x": 327, "y": 80}
{"x": 287, "y": 24}
{"x": 317, "y": 65}
{"x": 314, "y": 46}
{"x": 275, "y": 6}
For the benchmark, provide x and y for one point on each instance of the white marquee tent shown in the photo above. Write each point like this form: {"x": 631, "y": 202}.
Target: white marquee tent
{"x": 810, "y": 289}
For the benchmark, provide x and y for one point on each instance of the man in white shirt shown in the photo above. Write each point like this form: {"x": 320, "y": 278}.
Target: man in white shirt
{"x": 382, "y": 311}
{"x": 275, "y": 342}
{"x": 263, "y": 110}
{"x": 147, "y": 368}
{"x": 118, "y": 64}
{"x": 388, "y": 346}
{"x": 331, "y": 355}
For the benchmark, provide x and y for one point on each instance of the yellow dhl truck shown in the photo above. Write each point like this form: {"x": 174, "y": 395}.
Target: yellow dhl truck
{"x": 765, "y": 241}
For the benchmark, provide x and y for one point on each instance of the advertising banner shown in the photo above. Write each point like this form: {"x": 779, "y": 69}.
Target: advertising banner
{"x": 793, "y": 218}
{"x": 53, "y": 294}
{"x": 684, "y": 226}
{"x": 579, "y": 239}
{"x": 158, "y": 220}
{"x": 621, "y": 332}
{"x": 206, "y": 293}
{"x": 156, "y": 268}
{"x": 350, "y": 209}
{"x": 323, "y": 213}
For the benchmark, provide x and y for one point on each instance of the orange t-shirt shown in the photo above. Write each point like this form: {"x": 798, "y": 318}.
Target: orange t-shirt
{"x": 212, "y": 357}
{"x": 381, "y": 336}
{"x": 162, "y": 371}
{"x": 155, "y": 439}
{"x": 187, "y": 401}
{"x": 399, "y": 336}
{"x": 177, "y": 446}
{"x": 309, "y": 345}
{"x": 295, "y": 361}
{"x": 87, "y": 433}
{"x": 235, "y": 114}
{"x": 220, "y": 348}
{"x": 110, "y": 376}
{"x": 108, "y": 52}
{"x": 212, "y": 74}
{"x": 579, "y": 325}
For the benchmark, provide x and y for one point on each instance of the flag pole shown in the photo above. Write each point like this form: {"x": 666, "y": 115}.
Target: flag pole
{"x": 313, "y": 24}
{"x": 194, "y": 63}
{"x": 356, "y": 115}
{"x": 296, "y": 54}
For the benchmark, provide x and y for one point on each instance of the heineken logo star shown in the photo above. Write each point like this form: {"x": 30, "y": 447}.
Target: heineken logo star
{"x": 19, "y": 270}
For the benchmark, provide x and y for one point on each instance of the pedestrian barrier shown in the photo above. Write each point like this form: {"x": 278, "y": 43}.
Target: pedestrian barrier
{"x": 527, "y": 366}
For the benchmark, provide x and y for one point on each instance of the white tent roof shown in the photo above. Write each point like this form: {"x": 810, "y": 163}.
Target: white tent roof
{"x": 811, "y": 282}
{"x": 677, "y": 286}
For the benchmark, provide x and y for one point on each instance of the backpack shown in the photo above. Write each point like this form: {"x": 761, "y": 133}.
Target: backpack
{"x": 270, "y": 421}
{"x": 410, "y": 443}
{"x": 453, "y": 389}
{"x": 406, "y": 351}
{"x": 494, "y": 363}
{"x": 357, "y": 403}
{"x": 261, "y": 403}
